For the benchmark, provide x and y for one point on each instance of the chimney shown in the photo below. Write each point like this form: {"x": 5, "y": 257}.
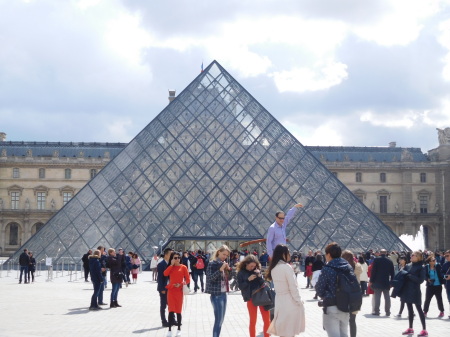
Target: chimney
{"x": 171, "y": 95}
{"x": 2, "y": 136}
{"x": 392, "y": 144}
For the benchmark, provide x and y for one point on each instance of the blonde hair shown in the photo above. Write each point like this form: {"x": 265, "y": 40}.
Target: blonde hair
{"x": 110, "y": 250}
{"x": 96, "y": 253}
{"x": 221, "y": 249}
{"x": 419, "y": 255}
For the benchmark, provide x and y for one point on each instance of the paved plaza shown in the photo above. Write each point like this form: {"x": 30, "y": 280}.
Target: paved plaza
{"x": 60, "y": 308}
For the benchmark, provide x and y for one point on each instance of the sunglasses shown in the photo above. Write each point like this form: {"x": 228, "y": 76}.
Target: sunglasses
{"x": 433, "y": 260}
{"x": 280, "y": 218}
{"x": 176, "y": 258}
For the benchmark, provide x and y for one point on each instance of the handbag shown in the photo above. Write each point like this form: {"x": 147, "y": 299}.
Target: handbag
{"x": 263, "y": 296}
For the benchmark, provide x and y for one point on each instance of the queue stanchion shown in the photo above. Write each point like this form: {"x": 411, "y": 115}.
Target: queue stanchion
{"x": 48, "y": 263}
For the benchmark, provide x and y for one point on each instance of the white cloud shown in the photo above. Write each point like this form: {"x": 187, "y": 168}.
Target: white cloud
{"x": 320, "y": 77}
{"x": 392, "y": 120}
{"x": 120, "y": 129}
{"x": 401, "y": 23}
{"x": 325, "y": 134}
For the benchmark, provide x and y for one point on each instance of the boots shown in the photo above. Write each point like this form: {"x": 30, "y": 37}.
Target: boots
{"x": 117, "y": 305}
{"x": 113, "y": 304}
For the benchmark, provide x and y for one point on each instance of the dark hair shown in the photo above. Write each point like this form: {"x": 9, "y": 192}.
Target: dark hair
{"x": 348, "y": 256}
{"x": 334, "y": 250}
{"x": 361, "y": 260}
{"x": 278, "y": 255}
{"x": 171, "y": 257}
{"x": 247, "y": 260}
{"x": 167, "y": 250}
{"x": 278, "y": 213}
{"x": 319, "y": 257}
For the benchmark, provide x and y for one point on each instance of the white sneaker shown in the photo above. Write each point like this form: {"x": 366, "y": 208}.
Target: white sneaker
{"x": 178, "y": 333}
{"x": 169, "y": 334}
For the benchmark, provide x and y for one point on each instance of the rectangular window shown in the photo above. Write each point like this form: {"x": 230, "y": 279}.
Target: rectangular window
{"x": 358, "y": 177}
{"x": 15, "y": 200}
{"x": 93, "y": 173}
{"x": 67, "y": 173}
{"x": 423, "y": 177}
{"x": 383, "y": 177}
{"x": 66, "y": 197}
{"x": 16, "y": 172}
{"x": 383, "y": 204}
{"x": 423, "y": 204}
{"x": 41, "y": 173}
{"x": 41, "y": 200}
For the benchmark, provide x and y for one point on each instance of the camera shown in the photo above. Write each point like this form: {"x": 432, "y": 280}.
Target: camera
{"x": 320, "y": 304}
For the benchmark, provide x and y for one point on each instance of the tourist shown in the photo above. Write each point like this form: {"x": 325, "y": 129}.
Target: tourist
{"x": 114, "y": 263}
{"x": 31, "y": 267}
{"x": 401, "y": 266}
{"x": 335, "y": 321}
{"x": 249, "y": 278}
{"x": 296, "y": 265}
{"x": 264, "y": 259}
{"x": 128, "y": 267}
{"x": 24, "y": 262}
{"x": 153, "y": 267}
{"x": 178, "y": 276}
{"x": 276, "y": 233}
{"x": 446, "y": 273}
{"x": 380, "y": 281}
{"x": 364, "y": 277}
{"x": 85, "y": 260}
{"x": 289, "y": 312}
{"x": 411, "y": 294}
{"x": 349, "y": 257}
{"x": 217, "y": 276}
{"x": 103, "y": 259}
{"x": 135, "y": 264}
{"x": 317, "y": 269}
{"x": 435, "y": 279}
{"x": 95, "y": 269}
{"x": 162, "y": 282}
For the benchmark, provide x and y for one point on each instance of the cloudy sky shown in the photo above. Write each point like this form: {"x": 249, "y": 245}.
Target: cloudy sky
{"x": 347, "y": 72}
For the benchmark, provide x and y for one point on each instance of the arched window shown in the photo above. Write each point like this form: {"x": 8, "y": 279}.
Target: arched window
{"x": 13, "y": 234}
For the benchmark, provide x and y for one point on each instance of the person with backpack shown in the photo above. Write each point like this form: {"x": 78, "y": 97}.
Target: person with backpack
{"x": 339, "y": 290}
{"x": 349, "y": 257}
{"x": 197, "y": 267}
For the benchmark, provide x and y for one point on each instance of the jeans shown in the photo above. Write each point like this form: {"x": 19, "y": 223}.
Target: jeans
{"x": 447, "y": 289}
{"x": 86, "y": 273}
{"x": 97, "y": 285}
{"x": 195, "y": 276}
{"x": 219, "y": 303}
{"x": 363, "y": 287}
{"x": 162, "y": 306}
{"x": 23, "y": 270}
{"x": 115, "y": 291}
{"x": 387, "y": 300}
{"x": 100, "y": 292}
{"x": 335, "y": 322}
{"x": 430, "y": 292}
{"x": 352, "y": 324}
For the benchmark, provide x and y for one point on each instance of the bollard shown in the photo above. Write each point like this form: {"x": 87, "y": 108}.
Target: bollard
{"x": 50, "y": 274}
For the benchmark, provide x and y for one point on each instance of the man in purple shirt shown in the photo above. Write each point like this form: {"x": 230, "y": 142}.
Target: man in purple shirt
{"x": 277, "y": 231}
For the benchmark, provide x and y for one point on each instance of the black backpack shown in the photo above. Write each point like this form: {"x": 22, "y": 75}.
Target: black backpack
{"x": 348, "y": 291}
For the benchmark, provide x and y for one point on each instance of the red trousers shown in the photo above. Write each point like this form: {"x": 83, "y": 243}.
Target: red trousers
{"x": 253, "y": 312}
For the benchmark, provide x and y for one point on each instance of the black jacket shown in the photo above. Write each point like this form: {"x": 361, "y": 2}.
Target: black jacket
{"x": 246, "y": 286}
{"x": 410, "y": 292}
{"x": 95, "y": 269}
{"x": 114, "y": 263}
{"x": 382, "y": 273}
{"x": 32, "y": 265}
{"x": 398, "y": 283}
{"x": 24, "y": 259}
{"x": 85, "y": 260}
{"x": 162, "y": 280}
{"x": 438, "y": 269}
{"x": 317, "y": 265}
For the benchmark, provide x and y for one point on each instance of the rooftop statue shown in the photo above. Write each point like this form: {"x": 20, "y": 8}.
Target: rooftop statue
{"x": 444, "y": 136}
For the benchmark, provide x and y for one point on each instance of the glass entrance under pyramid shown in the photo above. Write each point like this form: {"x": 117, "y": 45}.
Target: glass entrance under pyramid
{"x": 213, "y": 165}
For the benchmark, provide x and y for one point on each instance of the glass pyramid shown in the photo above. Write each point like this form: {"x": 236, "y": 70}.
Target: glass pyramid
{"x": 214, "y": 164}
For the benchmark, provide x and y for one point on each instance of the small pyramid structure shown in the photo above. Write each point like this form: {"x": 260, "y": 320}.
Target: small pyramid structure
{"x": 213, "y": 165}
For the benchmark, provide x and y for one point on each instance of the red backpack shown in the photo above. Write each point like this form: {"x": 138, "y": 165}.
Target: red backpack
{"x": 200, "y": 263}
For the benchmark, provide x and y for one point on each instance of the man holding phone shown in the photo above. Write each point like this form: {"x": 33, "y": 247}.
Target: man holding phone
{"x": 446, "y": 272}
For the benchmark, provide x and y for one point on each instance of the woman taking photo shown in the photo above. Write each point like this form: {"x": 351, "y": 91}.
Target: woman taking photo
{"x": 95, "y": 269}
{"x": 217, "y": 276}
{"x": 249, "y": 278}
{"x": 178, "y": 275}
{"x": 411, "y": 294}
{"x": 435, "y": 279}
{"x": 289, "y": 316}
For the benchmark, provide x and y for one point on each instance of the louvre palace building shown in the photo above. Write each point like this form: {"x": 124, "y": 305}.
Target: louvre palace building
{"x": 213, "y": 167}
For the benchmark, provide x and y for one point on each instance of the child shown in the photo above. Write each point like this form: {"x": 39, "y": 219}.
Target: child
{"x": 308, "y": 274}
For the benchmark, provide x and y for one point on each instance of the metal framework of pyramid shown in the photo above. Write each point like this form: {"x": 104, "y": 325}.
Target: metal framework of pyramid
{"x": 214, "y": 164}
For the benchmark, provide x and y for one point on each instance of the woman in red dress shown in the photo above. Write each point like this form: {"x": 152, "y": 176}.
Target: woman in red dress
{"x": 178, "y": 275}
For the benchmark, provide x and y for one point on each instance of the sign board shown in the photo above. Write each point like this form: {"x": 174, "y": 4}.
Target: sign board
{"x": 48, "y": 261}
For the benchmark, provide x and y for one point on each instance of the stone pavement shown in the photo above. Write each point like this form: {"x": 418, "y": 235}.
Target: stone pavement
{"x": 60, "y": 308}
